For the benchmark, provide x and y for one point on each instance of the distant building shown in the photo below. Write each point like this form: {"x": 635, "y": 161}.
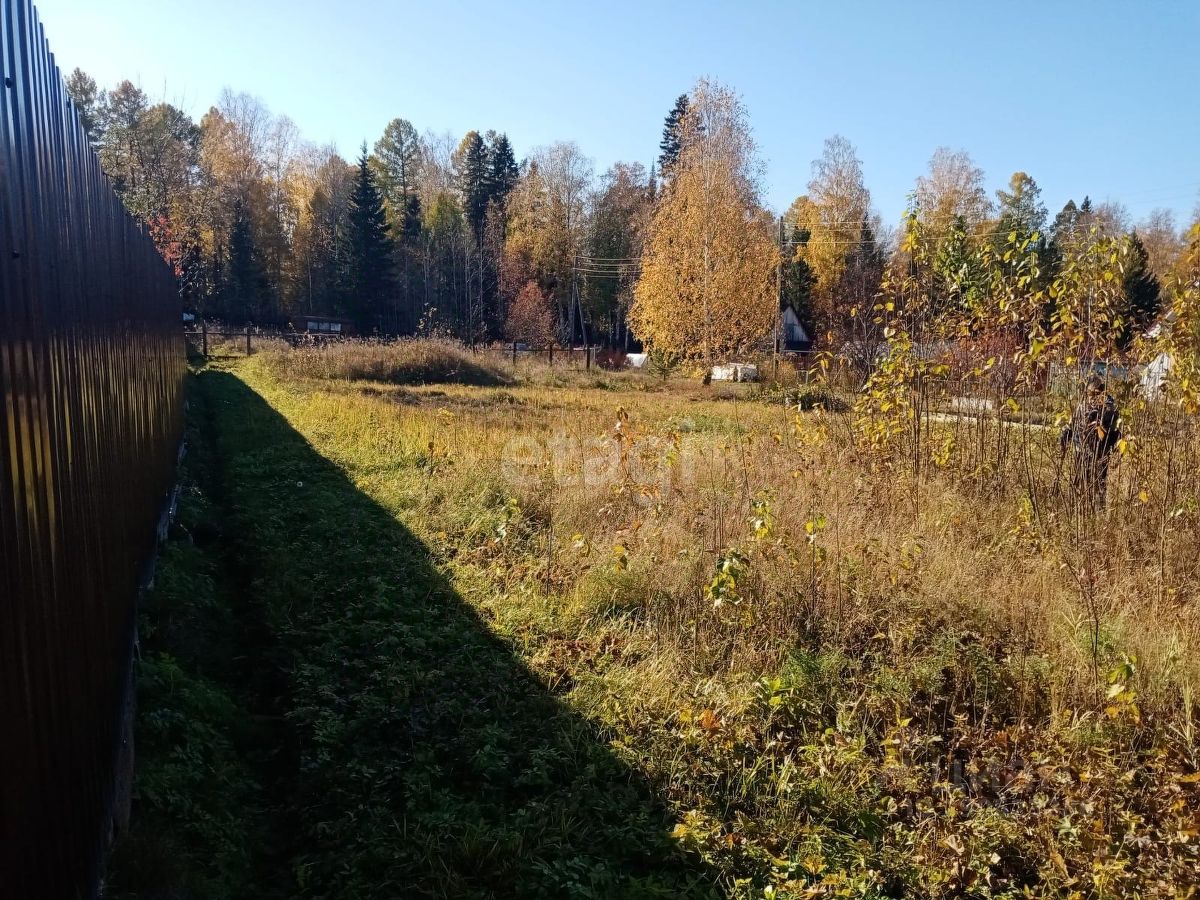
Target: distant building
{"x": 326, "y": 325}
{"x": 793, "y": 336}
{"x": 1155, "y": 374}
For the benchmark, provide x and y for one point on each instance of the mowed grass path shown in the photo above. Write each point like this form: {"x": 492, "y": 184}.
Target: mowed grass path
{"x": 429, "y": 762}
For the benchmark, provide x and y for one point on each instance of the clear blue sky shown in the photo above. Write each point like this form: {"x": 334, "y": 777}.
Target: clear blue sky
{"x": 1096, "y": 98}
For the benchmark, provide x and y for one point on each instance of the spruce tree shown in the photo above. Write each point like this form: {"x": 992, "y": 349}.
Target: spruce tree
{"x": 1066, "y": 220}
{"x": 1061, "y": 232}
{"x": 798, "y": 281}
{"x": 1142, "y": 291}
{"x": 672, "y": 141}
{"x": 502, "y": 170}
{"x": 475, "y": 181}
{"x": 369, "y": 279}
{"x": 411, "y": 228}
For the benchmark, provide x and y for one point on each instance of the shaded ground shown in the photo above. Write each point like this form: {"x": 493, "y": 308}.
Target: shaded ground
{"x": 321, "y": 715}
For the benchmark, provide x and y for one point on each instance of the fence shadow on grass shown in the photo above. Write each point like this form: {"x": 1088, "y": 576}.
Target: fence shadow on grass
{"x": 430, "y": 762}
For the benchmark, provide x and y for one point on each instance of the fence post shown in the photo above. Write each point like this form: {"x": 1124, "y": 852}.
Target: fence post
{"x": 587, "y": 354}
{"x": 571, "y": 355}
{"x": 514, "y": 354}
{"x": 204, "y": 336}
{"x": 552, "y": 354}
{"x": 247, "y": 340}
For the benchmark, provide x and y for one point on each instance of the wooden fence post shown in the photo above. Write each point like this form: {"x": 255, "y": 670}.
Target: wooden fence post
{"x": 514, "y": 354}
{"x": 552, "y": 355}
{"x": 204, "y": 336}
{"x": 587, "y": 352}
{"x": 247, "y": 340}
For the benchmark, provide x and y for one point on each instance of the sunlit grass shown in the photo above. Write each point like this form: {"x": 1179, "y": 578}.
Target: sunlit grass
{"x": 840, "y": 672}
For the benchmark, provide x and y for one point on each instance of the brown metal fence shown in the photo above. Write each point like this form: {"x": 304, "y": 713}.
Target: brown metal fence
{"x": 91, "y": 369}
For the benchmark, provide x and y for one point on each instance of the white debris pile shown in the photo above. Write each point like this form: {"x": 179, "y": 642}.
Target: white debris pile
{"x": 735, "y": 372}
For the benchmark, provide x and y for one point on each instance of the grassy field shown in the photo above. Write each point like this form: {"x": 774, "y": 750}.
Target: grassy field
{"x": 433, "y": 628}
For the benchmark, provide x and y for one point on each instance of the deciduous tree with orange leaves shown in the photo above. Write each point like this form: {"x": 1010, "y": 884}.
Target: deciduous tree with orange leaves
{"x": 531, "y": 317}
{"x": 707, "y": 289}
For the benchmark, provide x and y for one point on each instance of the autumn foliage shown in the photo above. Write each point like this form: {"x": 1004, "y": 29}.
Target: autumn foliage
{"x": 530, "y": 317}
{"x": 707, "y": 288}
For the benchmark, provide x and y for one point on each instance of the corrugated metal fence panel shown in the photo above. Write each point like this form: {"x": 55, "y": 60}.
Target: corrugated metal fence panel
{"x": 91, "y": 368}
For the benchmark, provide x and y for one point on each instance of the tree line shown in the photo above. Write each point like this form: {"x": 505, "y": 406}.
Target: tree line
{"x": 420, "y": 231}
{"x": 423, "y": 231}
{"x": 715, "y": 265}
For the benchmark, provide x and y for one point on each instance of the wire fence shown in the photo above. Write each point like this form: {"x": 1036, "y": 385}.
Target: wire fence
{"x": 91, "y": 371}
{"x": 223, "y": 341}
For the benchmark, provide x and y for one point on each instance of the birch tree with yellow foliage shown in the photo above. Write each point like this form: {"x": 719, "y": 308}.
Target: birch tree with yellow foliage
{"x": 836, "y": 237}
{"x": 707, "y": 289}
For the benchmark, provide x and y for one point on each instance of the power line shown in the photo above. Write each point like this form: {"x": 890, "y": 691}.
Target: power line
{"x": 1042, "y": 232}
{"x": 944, "y": 218}
{"x": 627, "y": 265}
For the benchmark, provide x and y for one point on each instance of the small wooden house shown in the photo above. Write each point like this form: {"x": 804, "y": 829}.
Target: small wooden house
{"x": 793, "y": 336}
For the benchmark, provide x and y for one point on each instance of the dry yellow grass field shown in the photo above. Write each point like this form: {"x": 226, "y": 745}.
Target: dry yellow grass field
{"x": 848, "y": 673}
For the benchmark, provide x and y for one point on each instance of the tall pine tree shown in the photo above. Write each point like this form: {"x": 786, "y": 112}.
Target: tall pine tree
{"x": 397, "y": 156}
{"x": 672, "y": 139}
{"x": 369, "y": 282}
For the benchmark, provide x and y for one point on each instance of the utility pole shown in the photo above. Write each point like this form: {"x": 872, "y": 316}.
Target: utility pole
{"x": 574, "y": 297}
{"x": 480, "y": 327}
{"x": 778, "y": 297}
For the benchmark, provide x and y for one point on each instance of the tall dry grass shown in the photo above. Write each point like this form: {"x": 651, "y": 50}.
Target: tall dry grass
{"x": 391, "y": 362}
{"x": 810, "y": 644}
